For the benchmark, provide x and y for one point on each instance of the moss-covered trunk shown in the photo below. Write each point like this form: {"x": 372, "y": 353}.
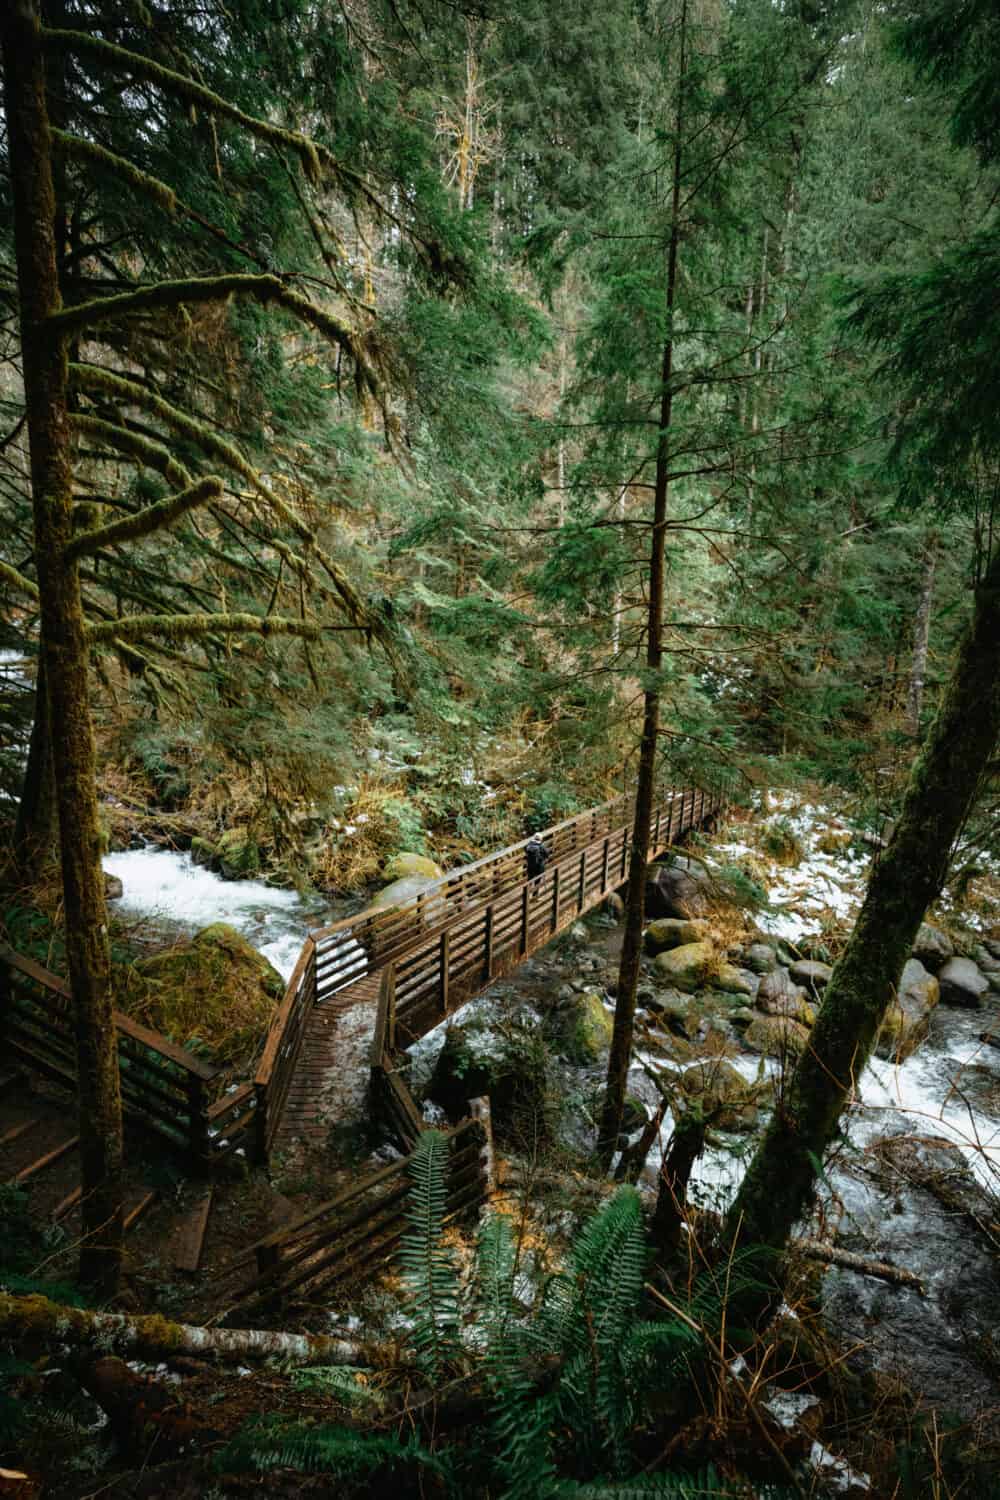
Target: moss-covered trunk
{"x": 779, "y": 1185}
{"x": 631, "y": 954}
{"x": 64, "y": 661}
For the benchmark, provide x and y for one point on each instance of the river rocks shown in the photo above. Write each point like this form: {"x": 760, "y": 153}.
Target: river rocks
{"x": 113, "y": 888}
{"x": 672, "y": 932}
{"x": 726, "y": 1098}
{"x": 908, "y": 1018}
{"x": 962, "y": 983}
{"x": 776, "y": 1036}
{"x": 775, "y": 990}
{"x": 729, "y": 979}
{"x": 686, "y": 967}
{"x": 584, "y": 1033}
{"x": 760, "y": 958}
{"x": 811, "y": 974}
{"x": 402, "y": 866}
{"x": 989, "y": 964}
{"x": 793, "y": 1007}
{"x": 215, "y": 990}
{"x": 673, "y": 892}
{"x": 932, "y": 947}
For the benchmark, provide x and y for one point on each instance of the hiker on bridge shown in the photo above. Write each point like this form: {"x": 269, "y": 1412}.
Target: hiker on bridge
{"x": 536, "y": 857}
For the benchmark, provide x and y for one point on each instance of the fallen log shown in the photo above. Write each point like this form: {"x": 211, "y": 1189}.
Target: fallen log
{"x": 35, "y": 1317}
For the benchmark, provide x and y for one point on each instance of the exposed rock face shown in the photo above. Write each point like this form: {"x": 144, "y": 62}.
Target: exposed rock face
{"x": 216, "y": 989}
{"x": 761, "y": 958}
{"x": 673, "y": 892}
{"x": 811, "y": 974}
{"x": 673, "y": 932}
{"x": 776, "y": 1036}
{"x": 401, "y": 866}
{"x": 686, "y": 967}
{"x": 723, "y": 1093}
{"x": 962, "y": 983}
{"x": 932, "y": 947}
{"x": 908, "y": 1018}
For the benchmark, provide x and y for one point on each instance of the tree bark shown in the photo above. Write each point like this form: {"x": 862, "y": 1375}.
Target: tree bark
{"x": 779, "y": 1186}
{"x": 628, "y": 973}
{"x": 921, "y": 637}
{"x": 36, "y": 828}
{"x": 64, "y": 650}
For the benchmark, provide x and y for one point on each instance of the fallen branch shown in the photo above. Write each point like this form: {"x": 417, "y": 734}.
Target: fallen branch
{"x": 817, "y": 1250}
{"x": 35, "y": 1317}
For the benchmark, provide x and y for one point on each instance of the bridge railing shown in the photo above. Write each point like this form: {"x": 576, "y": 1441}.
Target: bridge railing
{"x": 164, "y": 1089}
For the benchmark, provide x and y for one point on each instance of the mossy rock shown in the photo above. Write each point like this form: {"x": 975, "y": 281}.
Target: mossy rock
{"x": 237, "y": 854}
{"x": 585, "y": 1028}
{"x": 401, "y": 866}
{"x": 215, "y": 994}
{"x": 728, "y": 1099}
{"x": 728, "y": 978}
{"x": 908, "y": 1018}
{"x": 776, "y": 1036}
{"x": 673, "y": 932}
{"x": 204, "y": 853}
{"x": 407, "y": 888}
{"x": 686, "y": 967}
{"x": 510, "y": 1066}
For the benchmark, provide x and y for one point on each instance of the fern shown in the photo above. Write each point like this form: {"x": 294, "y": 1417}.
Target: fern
{"x": 430, "y": 1275}
{"x": 263, "y": 1446}
{"x": 339, "y": 1381}
{"x": 704, "y": 1486}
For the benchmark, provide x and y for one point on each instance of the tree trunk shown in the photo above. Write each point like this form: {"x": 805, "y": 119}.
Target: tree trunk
{"x": 36, "y": 830}
{"x": 64, "y": 650}
{"x": 780, "y": 1183}
{"x": 921, "y": 638}
{"x": 628, "y": 972}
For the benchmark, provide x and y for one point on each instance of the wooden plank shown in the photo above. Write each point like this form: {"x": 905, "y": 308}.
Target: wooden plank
{"x": 13, "y": 1132}
{"x": 67, "y": 1204}
{"x": 41, "y": 1162}
{"x": 135, "y": 1213}
{"x": 189, "y": 1240}
{"x": 9, "y": 1078}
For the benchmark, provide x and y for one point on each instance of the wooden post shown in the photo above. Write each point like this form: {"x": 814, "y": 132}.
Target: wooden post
{"x": 260, "y": 1149}
{"x": 488, "y": 943}
{"x": 604, "y": 867}
{"x": 524, "y": 919}
{"x": 445, "y": 961}
{"x": 624, "y": 868}
{"x": 555, "y": 899}
{"x": 583, "y": 880}
{"x": 198, "y": 1122}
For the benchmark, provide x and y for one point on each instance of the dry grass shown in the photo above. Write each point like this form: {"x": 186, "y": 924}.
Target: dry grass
{"x": 354, "y": 855}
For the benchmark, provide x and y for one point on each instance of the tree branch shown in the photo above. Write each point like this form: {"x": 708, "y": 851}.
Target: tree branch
{"x": 186, "y": 627}
{"x": 144, "y": 522}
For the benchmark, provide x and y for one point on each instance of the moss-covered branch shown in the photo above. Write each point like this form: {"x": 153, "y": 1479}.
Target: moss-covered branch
{"x": 145, "y": 450}
{"x": 141, "y": 182}
{"x": 264, "y": 289}
{"x": 151, "y": 518}
{"x": 18, "y": 581}
{"x": 35, "y": 1318}
{"x": 187, "y": 627}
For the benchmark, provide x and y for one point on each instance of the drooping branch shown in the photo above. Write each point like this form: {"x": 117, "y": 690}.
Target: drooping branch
{"x": 142, "y": 182}
{"x": 35, "y": 1317}
{"x": 17, "y": 580}
{"x": 188, "y": 627}
{"x": 264, "y": 289}
{"x": 151, "y": 518}
{"x": 145, "y": 450}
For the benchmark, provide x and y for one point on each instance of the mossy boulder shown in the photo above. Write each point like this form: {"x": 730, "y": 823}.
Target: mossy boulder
{"x": 673, "y": 932}
{"x": 204, "y": 853}
{"x": 408, "y": 889}
{"x": 509, "y": 1065}
{"x": 908, "y": 1018}
{"x": 811, "y": 974}
{"x": 585, "y": 1027}
{"x": 776, "y": 1036}
{"x": 401, "y": 866}
{"x": 237, "y": 854}
{"x": 729, "y": 979}
{"x": 761, "y": 958}
{"x": 726, "y": 1098}
{"x": 215, "y": 994}
{"x": 686, "y": 967}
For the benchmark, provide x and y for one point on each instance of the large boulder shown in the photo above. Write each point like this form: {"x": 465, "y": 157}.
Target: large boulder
{"x": 962, "y": 983}
{"x": 672, "y": 932}
{"x": 776, "y": 1036}
{"x": 510, "y": 1066}
{"x": 933, "y": 947}
{"x": 908, "y": 1017}
{"x": 673, "y": 892}
{"x": 727, "y": 1099}
{"x": 215, "y": 993}
{"x": 402, "y": 866}
{"x": 811, "y": 974}
{"x": 687, "y": 967}
{"x": 584, "y": 1029}
{"x": 408, "y": 889}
